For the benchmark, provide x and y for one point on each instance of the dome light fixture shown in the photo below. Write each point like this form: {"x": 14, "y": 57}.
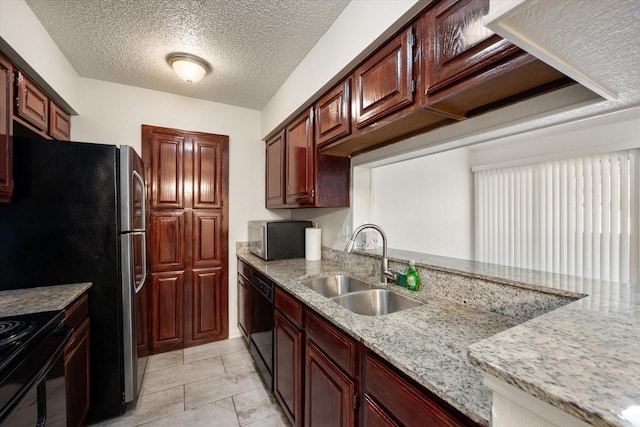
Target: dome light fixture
{"x": 189, "y": 67}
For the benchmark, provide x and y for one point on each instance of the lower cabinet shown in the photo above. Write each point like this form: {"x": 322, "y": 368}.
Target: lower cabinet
{"x": 287, "y": 381}
{"x": 76, "y": 362}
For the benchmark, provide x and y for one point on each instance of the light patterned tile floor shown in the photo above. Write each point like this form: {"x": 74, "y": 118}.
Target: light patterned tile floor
{"x": 213, "y": 384}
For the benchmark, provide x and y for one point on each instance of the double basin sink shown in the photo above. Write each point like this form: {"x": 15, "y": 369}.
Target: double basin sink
{"x": 358, "y": 296}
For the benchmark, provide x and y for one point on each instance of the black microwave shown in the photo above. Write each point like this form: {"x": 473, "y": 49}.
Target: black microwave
{"x": 277, "y": 239}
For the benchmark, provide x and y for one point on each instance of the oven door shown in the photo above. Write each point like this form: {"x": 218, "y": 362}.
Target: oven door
{"x": 261, "y": 338}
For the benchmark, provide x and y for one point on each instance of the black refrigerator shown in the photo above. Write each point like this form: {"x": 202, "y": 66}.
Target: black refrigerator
{"x": 78, "y": 215}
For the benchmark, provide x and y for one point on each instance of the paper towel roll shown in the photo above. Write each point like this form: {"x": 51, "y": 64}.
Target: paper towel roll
{"x": 312, "y": 243}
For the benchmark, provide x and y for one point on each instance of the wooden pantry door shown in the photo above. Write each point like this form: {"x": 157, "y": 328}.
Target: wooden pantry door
{"x": 188, "y": 193}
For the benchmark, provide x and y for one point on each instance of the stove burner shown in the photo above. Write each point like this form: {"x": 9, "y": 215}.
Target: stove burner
{"x": 13, "y": 330}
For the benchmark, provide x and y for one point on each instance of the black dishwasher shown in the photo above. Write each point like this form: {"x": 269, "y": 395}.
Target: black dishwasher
{"x": 261, "y": 337}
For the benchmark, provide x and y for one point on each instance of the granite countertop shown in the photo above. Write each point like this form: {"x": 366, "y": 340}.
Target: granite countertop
{"x": 583, "y": 358}
{"x": 428, "y": 343}
{"x": 34, "y": 300}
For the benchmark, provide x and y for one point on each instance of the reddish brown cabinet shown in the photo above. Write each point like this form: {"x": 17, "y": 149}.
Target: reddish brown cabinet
{"x": 32, "y": 103}
{"x": 59, "y": 123}
{"x": 385, "y": 82}
{"x": 333, "y": 114}
{"x": 167, "y": 310}
{"x": 288, "y": 345}
{"x": 331, "y": 369}
{"x": 244, "y": 299}
{"x": 299, "y": 161}
{"x": 297, "y": 176}
{"x": 275, "y": 170}
{"x": 188, "y": 176}
{"x": 391, "y": 396}
{"x": 6, "y": 133}
{"x": 77, "y": 362}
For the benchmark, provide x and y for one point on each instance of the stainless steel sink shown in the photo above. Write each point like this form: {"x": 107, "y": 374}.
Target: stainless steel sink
{"x": 332, "y": 286}
{"x": 376, "y": 302}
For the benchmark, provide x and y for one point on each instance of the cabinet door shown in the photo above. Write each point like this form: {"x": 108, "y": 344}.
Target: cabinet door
{"x": 329, "y": 393}
{"x": 207, "y": 173}
{"x": 207, "y": 242}
{"x": 244, "y": 307}
{"x": 33, "y": 104}
{"x": 460, "y": 44}
{"x": 59, "y": 123}
{"x": 167, "y": 242}
{"x": 208, "y": 310}
{"x": 275, "y": 171}
{"x": 333, "y": 114}
{"x": 77, "y": 375}
{"x": 167, "y": 171}
{"x": 375, "y": 416}
{"x": 6, "y": 143}
{"x": 384, "y": 83}
{"x": 299, "y": 160}
{"x": 166, "y": 304}
{"x": 287, "y": 380}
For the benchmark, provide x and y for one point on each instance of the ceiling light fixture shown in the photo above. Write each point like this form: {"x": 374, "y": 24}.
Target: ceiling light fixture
{"x": 189, "y": 67}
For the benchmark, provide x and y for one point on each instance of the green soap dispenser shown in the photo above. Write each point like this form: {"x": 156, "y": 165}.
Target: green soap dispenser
{"x": 413, "y": 277}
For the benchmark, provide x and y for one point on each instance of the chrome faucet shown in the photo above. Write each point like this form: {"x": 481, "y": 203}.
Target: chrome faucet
{"x": 385, "y": 274}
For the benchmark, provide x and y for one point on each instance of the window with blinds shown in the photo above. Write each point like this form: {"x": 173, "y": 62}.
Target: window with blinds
{"x": 576, "y": 216}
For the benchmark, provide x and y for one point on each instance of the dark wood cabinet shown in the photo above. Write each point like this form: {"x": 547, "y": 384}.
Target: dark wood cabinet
{"x": 167, "y": 311}
{"x": 275, "y": 169}
{"x": 288, "y": 345}
{"x": 244, "y": 303}
{"x": 333, "y": 114}
{"x": 299, "y": 161}
{"x": 297, "y": 176}
{"x": 188, "y": 176}
{"x": 6, "y": 133}
{"x": 32, "y": 103}
{"x": 385, "y": 82}
{"x": 330, "y": 398}
{"x": 390, "y": 396}
{"x": 331, "y": 369}
{"x": 77, "y": 362}
{"x": 59, "y": 123}
{"x": 460, "y": 44}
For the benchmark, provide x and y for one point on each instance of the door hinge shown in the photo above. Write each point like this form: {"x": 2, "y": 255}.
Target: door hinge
{"x": 413, "y": 85}
{"x": 313, "y": 192}
{"x": 412, "y": 39}
{"x": 355, "y": 401}
{"x": 311, "y": 113}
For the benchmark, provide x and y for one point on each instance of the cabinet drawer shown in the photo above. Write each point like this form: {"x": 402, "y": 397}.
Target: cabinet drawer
{"x": 407, "y": 403}
{"x": 289, "y": 306}
{"x": 244, "y": 269}
{"x": 342, "y": 349}
{"x": 77, "y": 312}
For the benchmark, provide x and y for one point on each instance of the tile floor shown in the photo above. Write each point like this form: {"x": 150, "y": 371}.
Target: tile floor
{"x": 210, "y": 385}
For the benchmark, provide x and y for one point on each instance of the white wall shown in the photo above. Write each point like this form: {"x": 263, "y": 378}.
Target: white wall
{"x": 114, "y": 113}
{"x": 425, "y": 204}
{"x": 20, "y": 28}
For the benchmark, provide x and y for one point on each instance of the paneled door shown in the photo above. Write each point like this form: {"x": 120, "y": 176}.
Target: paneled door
{"x": 188, "y": 189}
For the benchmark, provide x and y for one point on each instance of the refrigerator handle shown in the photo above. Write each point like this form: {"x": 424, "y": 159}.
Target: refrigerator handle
{"x": 140, "y": 284}
{"x": 143, "y": 198}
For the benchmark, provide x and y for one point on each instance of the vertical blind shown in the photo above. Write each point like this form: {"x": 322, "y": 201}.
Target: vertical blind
{"x": 576, "y": 216}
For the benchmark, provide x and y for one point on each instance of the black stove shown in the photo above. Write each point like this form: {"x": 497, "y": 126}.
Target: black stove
{"x": 31, "y": 346}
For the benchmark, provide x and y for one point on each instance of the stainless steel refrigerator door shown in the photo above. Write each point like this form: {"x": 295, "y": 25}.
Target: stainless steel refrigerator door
{"x": 133, "y": 263}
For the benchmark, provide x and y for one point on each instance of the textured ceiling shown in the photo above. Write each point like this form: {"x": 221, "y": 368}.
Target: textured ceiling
{"x": 252, "y": 45}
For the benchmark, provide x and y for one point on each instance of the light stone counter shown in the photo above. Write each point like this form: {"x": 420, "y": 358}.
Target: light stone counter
{"x": 428, "y": 343}
{"x": 34, "y": 300}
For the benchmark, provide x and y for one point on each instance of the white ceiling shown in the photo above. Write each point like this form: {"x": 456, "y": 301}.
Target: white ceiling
{"x": 252, "y": 45}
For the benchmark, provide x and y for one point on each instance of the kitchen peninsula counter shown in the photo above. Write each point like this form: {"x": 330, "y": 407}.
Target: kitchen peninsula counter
{"x": 428, "y": 343}
{"x": 34, "y": 300}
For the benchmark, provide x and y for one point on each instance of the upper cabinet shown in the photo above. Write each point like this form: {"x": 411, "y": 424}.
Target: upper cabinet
{"x": 443, "y": 67}
{"x": 384, "y": 83}
{"x": 59, "y": 123}
{"x": 298, "y": 176}
{"x": 32, "y": 104}
{"x": 333, "y": 114}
